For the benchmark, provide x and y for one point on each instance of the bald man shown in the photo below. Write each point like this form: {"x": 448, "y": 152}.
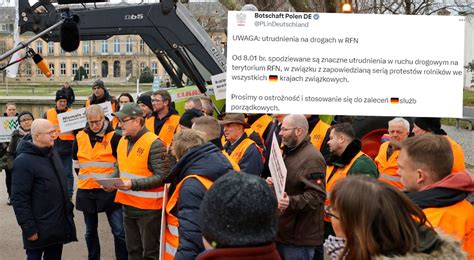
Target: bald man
{"x": 300, "y": 229}
{"x": 39, "y": 194}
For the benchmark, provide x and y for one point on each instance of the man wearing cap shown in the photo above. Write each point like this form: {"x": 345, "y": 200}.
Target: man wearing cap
{"x": 241, "y": 149}
{"x": 62, "y": 144}
{"x": 144, "y": 165}
{"x": 101, "y": 95}
{"x": 165, "y": 119}
{"x": 425, "y": 125}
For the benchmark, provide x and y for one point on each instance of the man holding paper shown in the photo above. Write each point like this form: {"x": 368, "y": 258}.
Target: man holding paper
{"x": 300, "y": 228}
{"x": 95, "y": 153}
{"x": 143, "y": 163}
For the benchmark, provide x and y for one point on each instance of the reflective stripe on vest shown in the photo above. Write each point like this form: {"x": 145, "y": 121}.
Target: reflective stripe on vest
{"x": 318, "y": 134}
{"x": 261, "y": 124}
{"x": 135, "y": 165}
{"x": 332, "y": 178}
{"x": 52, "y": 117}
{"x": 92, "y": 176}
{"x": 94, "y": 162}
{"x": 172, "y": 223}
{"x": 168, "y": 129}
{"x": 388, "y": 167}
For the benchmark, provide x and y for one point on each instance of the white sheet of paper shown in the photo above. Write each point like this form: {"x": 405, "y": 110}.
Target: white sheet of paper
{"x": 109, "y": 182}
{"x": 219, "y": 85}
{"x": 277, "y": 168}
{"x": 76, "y": 119}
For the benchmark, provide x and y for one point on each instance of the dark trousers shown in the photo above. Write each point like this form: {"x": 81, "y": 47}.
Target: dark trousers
{"x": 67, "y": 162}
{"x": 8, "y": 181}
{"x": 143, "y": 237}
{"x": 53, "y": 252}
{"x": 115, "y": 219}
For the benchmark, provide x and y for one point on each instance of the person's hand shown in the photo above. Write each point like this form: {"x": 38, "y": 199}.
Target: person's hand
{"x": 283, "y": 202}
{"x": 107, "y": 189}
{"x": 33, "y": 237}
{"x": 125, "y": 185}
{"x": 269, "y": 181}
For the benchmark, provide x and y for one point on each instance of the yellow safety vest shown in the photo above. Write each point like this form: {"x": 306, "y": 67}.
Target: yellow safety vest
{"x": 52, "y": 117}
{"x": 135, "y": 166}
{"x": 388, "y": 166}
{"x": 94, "y": 162}
{"x": 172, "y": 223}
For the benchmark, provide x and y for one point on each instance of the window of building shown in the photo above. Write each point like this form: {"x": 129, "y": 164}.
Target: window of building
{"x": 50, "y": 47}
{"x": 86, "y": 68}
{"x": 154, "y": 68}
{"x": 105, "y": 69}
{"x": 62, "y": 69}
{"x": 142, "y": 66}
{"x": 85, "y": 47}
{"x": 128, "y": 68}
{"x": 3, "y": 46}
{"x": 117, "y": 45}
{"x": 3, "y": 27}
{"x": 51, "y": 68}
{"x": 142, "y": 46}
{"x": 74, "y": 68}
{"x": 38, "y": 72}
{"x": 129, "y": 45}
{"x": 104, "y": 47}
{"x": 39, "y": 47}
{"x": 116, "y": 69}
{"x": 28, "y": 69}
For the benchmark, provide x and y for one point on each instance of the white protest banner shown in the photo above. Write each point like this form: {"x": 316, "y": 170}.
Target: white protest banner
{"x": 219, "y": 85}
{"x": 345, "y": 64}
{"x": 277, "y": 168}
{"x": 8, "y": 125}
{"x": 76, "y": 119}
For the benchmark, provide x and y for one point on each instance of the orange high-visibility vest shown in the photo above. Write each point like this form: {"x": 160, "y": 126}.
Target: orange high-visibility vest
{"x": 239, "y": 151}
{"x": 332, "y": 178}
{"x": 135, "y": 166}
{"x": 52, "y": 117}
{"x": 115, "y": 119}
{"x": 167, "y": 130}
{"x": 458, "y": 154}
{"x": 172, "y": 223}
{"x": 94, "y": 162}
{"x": 456, "y": 220}
{"x": 388, "y": 166}
{"x": 235, "y": 166}
{"x": 319, "y": 132}
{"x": 261, "y": 124}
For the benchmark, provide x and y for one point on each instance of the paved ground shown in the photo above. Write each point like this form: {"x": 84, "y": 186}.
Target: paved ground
{"x": 11, "y": 245}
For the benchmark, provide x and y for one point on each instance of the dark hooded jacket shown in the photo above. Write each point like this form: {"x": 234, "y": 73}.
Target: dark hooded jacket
{"x": 40, "y": 198}
{"x": 208, "y": 161}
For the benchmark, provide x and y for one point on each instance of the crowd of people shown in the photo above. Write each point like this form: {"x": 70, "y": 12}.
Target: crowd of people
{"x": 208, "y": 184}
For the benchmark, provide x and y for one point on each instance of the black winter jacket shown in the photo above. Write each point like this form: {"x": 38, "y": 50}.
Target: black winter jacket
{"x": 208, "y": 161}
{"x": 40, "y": 198}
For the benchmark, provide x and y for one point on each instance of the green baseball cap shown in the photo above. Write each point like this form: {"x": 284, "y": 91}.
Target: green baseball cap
{"x": 129, "y": 109}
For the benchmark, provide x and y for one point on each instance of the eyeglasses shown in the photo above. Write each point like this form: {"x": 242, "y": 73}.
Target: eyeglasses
{"x": 157, "y": 100}
{"x": 329, "y": 214}
{"x": 122, "y": 121}
{"x": 284, "y": 129}
{"x": 52, "y": 133}
{"x": 26, "y": 119}
{"x": 97, "y": 122}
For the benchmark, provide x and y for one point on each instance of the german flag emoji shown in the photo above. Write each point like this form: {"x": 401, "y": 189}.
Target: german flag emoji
{"x": 394, "y": 100}
{"x": 273, "y": 78}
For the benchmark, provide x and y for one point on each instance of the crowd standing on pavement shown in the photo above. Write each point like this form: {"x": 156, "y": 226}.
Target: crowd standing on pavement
{"x": 191, "y": 186}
